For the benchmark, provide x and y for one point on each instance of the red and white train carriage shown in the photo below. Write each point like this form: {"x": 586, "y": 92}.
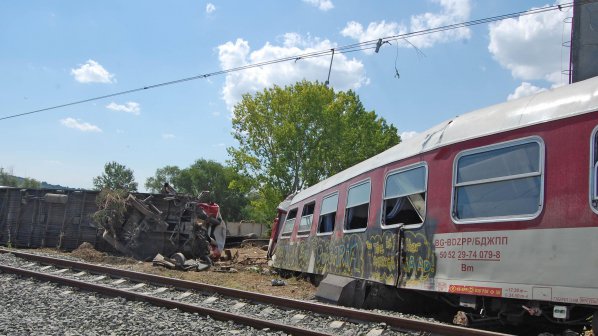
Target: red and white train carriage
{"x": 497, "y": 208}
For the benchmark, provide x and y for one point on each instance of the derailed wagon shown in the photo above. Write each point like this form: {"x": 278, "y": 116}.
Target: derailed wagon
{"x": 495, "y": 211}
{"x": 139, "y": 225}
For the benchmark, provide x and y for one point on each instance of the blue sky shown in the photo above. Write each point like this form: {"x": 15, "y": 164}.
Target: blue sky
{"x": 56, "y": 52}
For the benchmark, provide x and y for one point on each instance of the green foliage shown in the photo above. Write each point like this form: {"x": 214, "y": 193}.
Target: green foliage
{"x": 263, "y": 203}
{"x": 167, "y": 174}
{"x": 115, "y": 183}
{"x": 293, "y": 137}
{"x": 205, "y": 175}
{"x": 7, "y": 179}
{"x": 30, "y": 183}
{"x": 111, "y": 209}
{"x": 115, "y": 177}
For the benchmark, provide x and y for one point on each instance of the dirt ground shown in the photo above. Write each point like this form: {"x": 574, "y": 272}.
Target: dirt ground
{"x": 247, "y": 270}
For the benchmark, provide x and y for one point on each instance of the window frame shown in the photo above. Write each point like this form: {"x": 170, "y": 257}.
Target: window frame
{"x": 320, "y": 214}
{"x": 364, "y": 181}
{"x": 287, "y": 234}
{"x": 305, "y": 233}
{"x": 593, "y": 195}
{"x": 398, "y": 171}
{"x": 495, "y": 146}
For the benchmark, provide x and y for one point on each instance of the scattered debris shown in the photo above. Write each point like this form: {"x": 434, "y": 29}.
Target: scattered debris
{"x": 225, "y": 269}
{"x": 179, "y": 262}
{"x": 255, "y": 242}
{"x": 461, "y": 319}
{"x": 278, "y": 282}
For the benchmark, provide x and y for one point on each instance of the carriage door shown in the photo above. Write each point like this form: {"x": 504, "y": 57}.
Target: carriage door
{"x": 404, "y": 212}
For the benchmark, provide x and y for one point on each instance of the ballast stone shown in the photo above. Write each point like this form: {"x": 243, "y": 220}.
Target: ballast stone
{"x": 375, "y": 332}
{"x": 336, "y": 324}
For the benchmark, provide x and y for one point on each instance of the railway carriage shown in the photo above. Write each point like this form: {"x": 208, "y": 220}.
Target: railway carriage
{"x": 495, "y": 210}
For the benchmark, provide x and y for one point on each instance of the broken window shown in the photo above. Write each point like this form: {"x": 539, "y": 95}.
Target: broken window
{"x": 306, "y": 218}
{"x": 328, "y": 214}
{"x": 405, "y": 197}
{"x": 499, "y": 182}
{"x": 358, "y": 206}
{"x": 287, "y": 228}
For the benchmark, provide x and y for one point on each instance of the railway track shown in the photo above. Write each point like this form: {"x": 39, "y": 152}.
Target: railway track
{"x": 248, "y": 308}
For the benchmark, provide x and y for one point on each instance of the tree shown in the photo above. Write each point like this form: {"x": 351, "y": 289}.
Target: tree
{"x": 115, "y": 177}
{"x": 7, "y": 179}
{"x": 292, "y": 137}
{"x": 167, "y": 174}
{"x": 204, "y": 175}
{"x": 262, "y": 204}
{"x": 30, "y": 183}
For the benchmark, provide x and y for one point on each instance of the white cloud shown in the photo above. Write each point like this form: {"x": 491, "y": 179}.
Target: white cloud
{"x": 92, "y": 72}
{"x": 451, "y": 11}
{"x": 346, "y": 73}
{"x": 129, "y": 107}
{"x": 210, "y": 8}
{"x": 167, "y": 136}
{"x": 407, "y": 135}
{"x": 531, "y": 46}
{"x": 525, "y": 89}
{"x": 79, "y": 125}
{"x": 216, "y": 113}
{"x": 323, "y": 5}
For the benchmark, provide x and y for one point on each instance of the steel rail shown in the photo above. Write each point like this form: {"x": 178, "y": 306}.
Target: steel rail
{"x": 259, "y": 323}
{"x": 325, "y": 309}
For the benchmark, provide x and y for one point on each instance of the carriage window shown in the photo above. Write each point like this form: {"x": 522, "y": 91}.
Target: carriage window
{"x": 499, "y": 182}
{"x": 405, "y": 197}
{"x": 328, "y": 214}
{"x": 358, "y": 206}
{"x": 306, "y": 218}
{"x": 287, "y": 229}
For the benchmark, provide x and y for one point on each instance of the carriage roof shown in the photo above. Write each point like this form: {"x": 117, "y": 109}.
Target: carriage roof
{"x": 567, "y": 101}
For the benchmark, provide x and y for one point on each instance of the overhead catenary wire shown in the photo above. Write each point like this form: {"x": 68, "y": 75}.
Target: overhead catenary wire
{"x": 364, "y": 45}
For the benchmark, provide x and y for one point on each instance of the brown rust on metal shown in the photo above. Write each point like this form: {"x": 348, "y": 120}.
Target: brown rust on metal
{"x": 216, "y": 314}
{"x": 359, "y": 315}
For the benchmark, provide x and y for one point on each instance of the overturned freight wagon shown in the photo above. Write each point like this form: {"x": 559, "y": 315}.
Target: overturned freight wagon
{"x": 149, "y": 223}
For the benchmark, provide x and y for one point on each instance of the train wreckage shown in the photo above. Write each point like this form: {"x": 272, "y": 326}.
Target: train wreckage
{"x": 138, "y": 225}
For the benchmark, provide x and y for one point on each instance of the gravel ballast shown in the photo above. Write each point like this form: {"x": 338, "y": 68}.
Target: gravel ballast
{"x": 31, "y": 307}
{"x": 34, "y": 307}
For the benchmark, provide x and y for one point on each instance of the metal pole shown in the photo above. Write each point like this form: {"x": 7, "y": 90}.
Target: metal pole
{"x": 330, "y": 68}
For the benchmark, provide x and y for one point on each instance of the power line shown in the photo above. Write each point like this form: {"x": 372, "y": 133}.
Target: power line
{"x": 365, "y": 45}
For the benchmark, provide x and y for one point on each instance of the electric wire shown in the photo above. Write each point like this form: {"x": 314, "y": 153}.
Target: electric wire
{"x": 364, "y": 45}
